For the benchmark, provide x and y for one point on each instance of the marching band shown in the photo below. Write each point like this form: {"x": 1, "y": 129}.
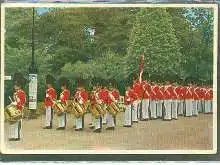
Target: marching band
{"x": 143, "y": 101}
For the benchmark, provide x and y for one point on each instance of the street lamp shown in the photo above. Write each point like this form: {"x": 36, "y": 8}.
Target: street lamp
{"x": 33, "y": 78}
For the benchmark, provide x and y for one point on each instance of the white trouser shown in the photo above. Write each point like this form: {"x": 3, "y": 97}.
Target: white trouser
{"x": 180, "y": 109}
{"x": 189, "y": 107}
{"x": 104, "y": 116}
{"x": 195, "y": 108}
{"x": 97, "y": 122}
{"x": 134, "y": 111}
{"x": 139, "y": 112}
{"x": 208, "y": 106}
{"x": 110, "y": 120}
{"x": 174, "y": 109}
{"x": 49, "y": 116}
{"x": 199, "y": 106}
{"x": 145, "y": 107}
{"x": 153, "y": 109}
{"x": 62, "y": 120}
{"x": 159, "y": 108}
{"x": 79, "y": 122}
{"x": 128, "y": 115}
{"x": 167, "y": 109}
{"x": 15, "y": 129}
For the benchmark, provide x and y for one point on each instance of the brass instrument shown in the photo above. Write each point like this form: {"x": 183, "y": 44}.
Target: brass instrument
{"x": 59, "y": 107}
{"x": 12, "y": 113}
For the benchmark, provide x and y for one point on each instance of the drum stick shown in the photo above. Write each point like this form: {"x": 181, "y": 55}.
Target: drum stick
{"x": 10, "y": 98}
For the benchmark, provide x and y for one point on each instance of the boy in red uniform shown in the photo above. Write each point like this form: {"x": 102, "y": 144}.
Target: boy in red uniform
{"x": 111, "y": 120}
{"x": 175, "y": 101}
{"x": 128, "y": 100}
{"x": 195, "y": 100}
{"x": 95, "y": 99}
{"x": 160, "y": 101}
{"x": 153, "y": 101}
{"x": 103, "y": 94}
{"x": 48, "y": 101}
{"x": 64, "y": 97}
{"x": 146, "y": 101}
{"x": 167, "y": 101}
{"x": 82, "y": 98}
{"x": 180, "y": 93}
{"x": 137, "y": 103}
{"x": 208, "y": 100}
{"x": 19, "y": 97}
{"x": 189, "y": 100}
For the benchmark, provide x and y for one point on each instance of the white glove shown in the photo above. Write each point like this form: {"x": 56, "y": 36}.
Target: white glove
{"x": 47, "y": 95}
{"x": 14, "y": 103}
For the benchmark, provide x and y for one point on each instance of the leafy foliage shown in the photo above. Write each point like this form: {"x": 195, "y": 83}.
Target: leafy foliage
{"x": 175, "y": 47}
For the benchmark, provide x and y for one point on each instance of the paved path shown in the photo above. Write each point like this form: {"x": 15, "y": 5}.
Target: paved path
{"x": 184, "y": 133}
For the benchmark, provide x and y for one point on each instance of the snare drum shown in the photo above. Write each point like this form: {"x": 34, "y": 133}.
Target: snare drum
{"x": 12, "y": 113}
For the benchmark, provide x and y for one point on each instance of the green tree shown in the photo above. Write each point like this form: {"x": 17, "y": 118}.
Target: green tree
{"x": 153, "y": 34}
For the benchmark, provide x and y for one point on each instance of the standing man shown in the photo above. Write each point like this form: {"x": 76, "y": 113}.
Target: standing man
{"x": 19, "y": 100}
{"x": 48, "y": 101}
{"x": 180, "y": 93}
{"x": 159, "y": 94}
{"x": 195, "y": 100}
{"x": 128, "y": 99}
{"x": 189, "y": 100}
{"x": 153, "y": 102}
{"x": 137, "y": 104}
{"x": 64, "y": 97}
{"x": 96, "y": 101}
{"x": 115, "y": 93}
{"x": 167, "y": 101}
{"x": 208, "y": 100}
{"x": 103, "y": 95}
{"x": 81, "y": 97}
{"x": 146, "y": 101}
{"x": 175, "y": 101}
{"x": 111, "y": 120}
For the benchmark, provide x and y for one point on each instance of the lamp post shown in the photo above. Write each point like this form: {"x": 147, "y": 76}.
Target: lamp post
{"x": 33, "y": 78}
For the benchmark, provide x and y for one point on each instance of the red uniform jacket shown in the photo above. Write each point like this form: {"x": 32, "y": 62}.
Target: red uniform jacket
{"x": 20, "y": 99}
{"x": 64, "y": 96}
{"x": 82, "y": 96}
{"x": 116, "y": 94}
{"x": 138, "y": 89}
{"x": 159, "y": 93}
{"x": 201, "y": 93}
{"x": 130, "y": 97}
{"x": 50, "y": 96}
{"x": 208, "y": 94}
{"x": 183, "y": 92}
{"x": 176, "y": 92}
{"x": 168, "y": 92}
{"x": 103, "y": 95}
{"x": 147, "y": 91}
{"x": 188, "y": 94}
{"x": 196, "y": 91}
